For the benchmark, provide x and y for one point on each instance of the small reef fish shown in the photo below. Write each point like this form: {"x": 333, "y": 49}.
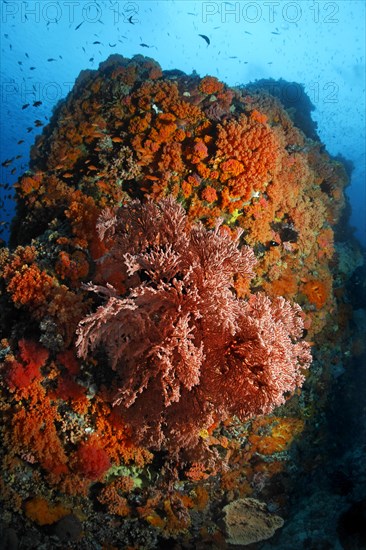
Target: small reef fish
{"x": 205, "y": 38}
{"x": 7, "y": 162}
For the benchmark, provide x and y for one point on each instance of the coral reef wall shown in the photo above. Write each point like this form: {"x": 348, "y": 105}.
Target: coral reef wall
{"x": 204, "y": 222}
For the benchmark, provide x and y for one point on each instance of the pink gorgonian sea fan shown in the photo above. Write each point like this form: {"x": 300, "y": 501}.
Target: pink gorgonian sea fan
{"x": 186, "y": 350}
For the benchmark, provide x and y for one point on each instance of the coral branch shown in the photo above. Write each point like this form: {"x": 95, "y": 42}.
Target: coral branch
{"x": 185, "y": 348}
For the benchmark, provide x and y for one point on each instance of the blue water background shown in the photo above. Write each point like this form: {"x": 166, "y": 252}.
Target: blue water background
{"x": 45, "y": 45}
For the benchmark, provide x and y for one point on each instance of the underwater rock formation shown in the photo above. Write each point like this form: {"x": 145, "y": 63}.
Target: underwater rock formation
{"x": 203, "y": 220}
{"x": 247, "y": 521}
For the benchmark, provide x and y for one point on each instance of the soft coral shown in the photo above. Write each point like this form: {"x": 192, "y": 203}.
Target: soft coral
{"x": 185, "y": 348}
{"x": 22, "y": 374}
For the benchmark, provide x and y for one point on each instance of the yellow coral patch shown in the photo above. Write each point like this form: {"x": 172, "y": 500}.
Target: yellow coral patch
{"x": 40, "y": 511}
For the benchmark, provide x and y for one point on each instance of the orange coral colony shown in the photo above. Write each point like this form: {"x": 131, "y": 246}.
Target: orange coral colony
{"x": 207, "y": 327}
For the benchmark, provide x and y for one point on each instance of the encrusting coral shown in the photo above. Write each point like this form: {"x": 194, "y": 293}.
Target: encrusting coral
{"x": 166, "y": 235}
